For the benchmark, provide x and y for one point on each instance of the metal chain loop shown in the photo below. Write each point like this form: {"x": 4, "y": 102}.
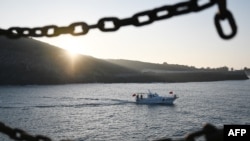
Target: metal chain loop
{"x": 20, "y": 135}
{"x": 210, "y": 132}
{"x": 147, "y": 14}
{"x": 224, "y": 14}
{"x": 227, "y": 16}
{"x": 222, "y": 4}
{"x": 102, "y": 22}
{"x": 51, "y": 31}
{"x": 108, "y": 24}
{"x": 84, "y": 28}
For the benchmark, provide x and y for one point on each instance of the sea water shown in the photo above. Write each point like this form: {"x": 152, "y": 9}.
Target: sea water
{"x": 87, "y": 112}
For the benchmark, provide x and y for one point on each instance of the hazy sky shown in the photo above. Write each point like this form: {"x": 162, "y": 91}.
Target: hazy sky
{"x": 190, "y": 39}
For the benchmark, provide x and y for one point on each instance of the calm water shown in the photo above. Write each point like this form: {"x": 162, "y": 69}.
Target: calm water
{"x": 108, "y": 112}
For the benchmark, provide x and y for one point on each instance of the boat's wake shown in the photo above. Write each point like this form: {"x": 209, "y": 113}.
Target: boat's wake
{"x": 74, "y": 103}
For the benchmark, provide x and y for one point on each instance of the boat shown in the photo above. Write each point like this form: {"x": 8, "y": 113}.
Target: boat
{"x": 154, "y": 98}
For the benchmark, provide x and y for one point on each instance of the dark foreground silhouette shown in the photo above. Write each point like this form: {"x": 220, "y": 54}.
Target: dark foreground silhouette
{"x": 27, "y": 61}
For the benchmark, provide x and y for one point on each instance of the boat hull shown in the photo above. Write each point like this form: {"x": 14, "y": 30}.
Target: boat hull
{"x": 156, "y": 100}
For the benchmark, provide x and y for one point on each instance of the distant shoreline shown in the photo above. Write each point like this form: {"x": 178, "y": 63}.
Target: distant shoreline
{"x": 142, "y": 78}
{"x": 3, "y": 85}
{"x": 30, "y": 62}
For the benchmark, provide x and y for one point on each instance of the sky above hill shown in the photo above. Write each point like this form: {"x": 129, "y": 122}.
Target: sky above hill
{"x": 189, "y": 39}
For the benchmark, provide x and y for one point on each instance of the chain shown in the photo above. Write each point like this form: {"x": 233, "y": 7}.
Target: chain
{"x": 156, "y": 14}
{"x": 223, "y": 15}
{"x": 20, "y": 135}
{"x": 138, "y": 19}
{"x": 210, "y": 132}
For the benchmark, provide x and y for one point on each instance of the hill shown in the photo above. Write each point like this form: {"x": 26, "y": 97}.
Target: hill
{"x": 150, "y": 67}
{"x": 181, "y": 73}
{"x": 28, "y": 61}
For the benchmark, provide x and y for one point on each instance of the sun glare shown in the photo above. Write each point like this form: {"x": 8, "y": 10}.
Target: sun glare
{"x": 72, "y": 44}
{"x": 72, "y": 54}
{"x": 72, "y": 57}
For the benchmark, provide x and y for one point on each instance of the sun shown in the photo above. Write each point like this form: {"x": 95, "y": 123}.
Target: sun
{"x": 71, "y": 44}
{"x": 72, "y": 54}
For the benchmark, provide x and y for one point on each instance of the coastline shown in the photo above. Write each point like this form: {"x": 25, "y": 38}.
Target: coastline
{"x": 204, "y": 76}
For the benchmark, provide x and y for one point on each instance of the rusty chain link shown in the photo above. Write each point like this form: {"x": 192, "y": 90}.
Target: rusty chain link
{"x": 210, "y": 132}
{"x": 138, "y": 19}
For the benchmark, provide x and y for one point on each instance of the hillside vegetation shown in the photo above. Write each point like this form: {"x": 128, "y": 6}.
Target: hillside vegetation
{"x": 28, "y": 61}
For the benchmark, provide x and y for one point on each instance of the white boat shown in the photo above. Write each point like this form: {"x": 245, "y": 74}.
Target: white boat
{"x": 154, "y": 98}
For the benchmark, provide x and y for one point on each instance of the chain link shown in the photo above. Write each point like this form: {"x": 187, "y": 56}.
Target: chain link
{"x": 210, "y": 132}
{"x": 224, "y": 14}
{"x": 138, "y": 19}
{"x": 20, "y": 135}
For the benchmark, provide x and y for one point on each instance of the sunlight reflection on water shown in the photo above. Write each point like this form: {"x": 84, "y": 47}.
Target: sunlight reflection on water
{"x": 108, "y": 112}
